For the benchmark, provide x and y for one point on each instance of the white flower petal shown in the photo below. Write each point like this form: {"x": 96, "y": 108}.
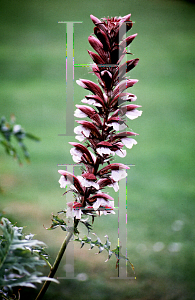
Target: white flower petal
{"x": 95, "y": 185}
{"x": 117, "y": 175}
{"x": 105, "y": 212}
{"x": 105, "y": 97}
{"x": 97, "y": 104}
{"x": 86, "y": 131}
{"x": 111, "y": 204}
{"x": 77, "y": 213}
{"x": 76, "y": 159}
{"x": 78, "y": 129}
{"x": 133, "y": 114}
{"x": 123, "y": 174}
{"x": 63, "y": 182}
{"x": 91, "y": 102}
{"x": 104, "y": 203}
{"x": 88, "y": 183}
{"x": 79, "y": 82}
{"x": 117, "y": 126}
{"x": 69, "y": 212}
{"x": 80, "y": 138}
{"x": 126, "y": 97}
{"x": 99, "y": 202}
{"x": 85, "y": 101}
{"x": 104, "y": 150}
{"x": 121, "y": 153}
{"x": 82, "y": 130}
{"x": 128, "y": 142}
{"x": 96, "y": 204}
{"x": 115, "y": 186}
{"x": 74, "y": 151}
{"x": 76, "y": 155}
{"x": 79, "y": 114}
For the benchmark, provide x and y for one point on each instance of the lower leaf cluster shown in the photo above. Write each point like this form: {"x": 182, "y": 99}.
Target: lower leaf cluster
{"x": 58, "y": 222}
{"x": 19, "y": 258}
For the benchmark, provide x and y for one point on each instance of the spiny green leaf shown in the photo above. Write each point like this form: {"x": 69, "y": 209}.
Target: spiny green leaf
{"x": 119, "y": 255}
{"x": 19, "y": 257}
{"x": 87, "y": 224}
{"x": 57, "y": 222}
{"x": 106, "y": 246}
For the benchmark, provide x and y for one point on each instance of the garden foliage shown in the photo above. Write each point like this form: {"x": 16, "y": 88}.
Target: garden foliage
{"x": 20, "y": 256}
{"x": 9, "y": 130}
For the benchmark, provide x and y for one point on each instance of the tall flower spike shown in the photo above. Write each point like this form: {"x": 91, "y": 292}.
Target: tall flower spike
{"x": 101, "y": 128}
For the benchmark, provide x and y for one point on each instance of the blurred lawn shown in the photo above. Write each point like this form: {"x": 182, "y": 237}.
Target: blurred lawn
{"x": 161, "y": 187}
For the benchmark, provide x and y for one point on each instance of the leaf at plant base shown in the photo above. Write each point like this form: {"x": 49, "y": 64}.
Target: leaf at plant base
{"x": 19, "y": 257}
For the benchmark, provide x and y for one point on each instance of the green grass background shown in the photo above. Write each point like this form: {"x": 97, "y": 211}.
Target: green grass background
{"x": 161, "y": 187}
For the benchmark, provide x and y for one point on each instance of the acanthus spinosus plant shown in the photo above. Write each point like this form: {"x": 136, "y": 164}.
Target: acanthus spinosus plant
{"x": 101, "y": 129}
{"x": 102, "y": 134}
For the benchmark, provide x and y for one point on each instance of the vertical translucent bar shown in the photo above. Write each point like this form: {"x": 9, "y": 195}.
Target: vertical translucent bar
{"x": 122, "y": 272}
{"x": 69, "y": 81}
{"x": 122, "y": 203}
{"x": 69, "y": 77}
{"x": 122, "y": 35}
{"x": 69, "y": 255}
{"x": 70, "y": 248}
{"x": 122, "y": 226}
{"x": 122, "y": 230}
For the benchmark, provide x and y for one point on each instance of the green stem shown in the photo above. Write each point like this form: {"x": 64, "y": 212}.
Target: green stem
{"x": 55, "y": 266}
